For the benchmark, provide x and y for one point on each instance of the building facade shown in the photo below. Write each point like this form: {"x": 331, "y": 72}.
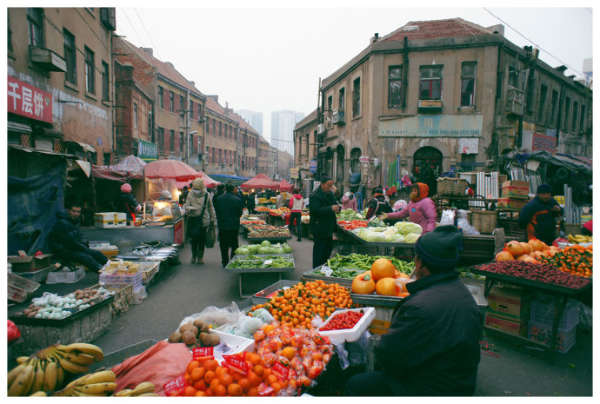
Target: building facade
{"x": 439, "y": 94}
{"x": 282, "y": 129}
{"x": 255, "y": 119}
{"x": 60, "y": 81}
{"x": 305, "y": 148}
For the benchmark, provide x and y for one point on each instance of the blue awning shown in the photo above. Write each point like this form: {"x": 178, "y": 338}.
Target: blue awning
{"x": 226, "y": 177}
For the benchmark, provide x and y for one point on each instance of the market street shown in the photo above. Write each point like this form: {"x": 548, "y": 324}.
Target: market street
{"x": 186, "y": 289}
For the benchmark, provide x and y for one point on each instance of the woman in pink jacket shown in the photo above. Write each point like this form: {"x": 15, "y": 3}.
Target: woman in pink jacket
{"x": 420, "y": 210}
{"x": 349, "y": 202}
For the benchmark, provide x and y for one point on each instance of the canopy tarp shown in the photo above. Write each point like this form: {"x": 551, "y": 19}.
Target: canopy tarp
{"x": 172, "y": 169}
{"x": 285, "y": 186}
{"x": 107, "y": 173}
{"x": 261, "y": 181}
{"x": 233, "y": 179}
{"x": 208, "y": 181}
{"x": 132, "y": 165}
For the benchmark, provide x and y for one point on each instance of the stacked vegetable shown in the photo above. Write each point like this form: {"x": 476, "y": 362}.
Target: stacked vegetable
{"x": 264, "y": 248}
{"x": 543, "y": 273}
{"x": 401, "y": 232}
{"x": 532, "y": 251}
{"x": 348, "y": 266}
{"x": 383, "y": 278}
{"x": 352, "y": 224}
{"x": 576, "y": 260}
{"x": 267, "y": 261}
{"x": 349, "y": 215}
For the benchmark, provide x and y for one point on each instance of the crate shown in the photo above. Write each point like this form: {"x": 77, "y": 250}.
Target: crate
{"x": 29, "y": 263}
{"x": 542, "y": 312}
{"x": 351, "y": 334}
{"x": 382, "y": 321}
{"x": 565, "y": 338}
{"x": 263, "y": 296}
{"x": 108, "y": 220}
{"x": 515, "y": 189}
{"x": 451, "y": 186}
{"x": 65, "y": 277}
{"x": 39, "y": 275}
{"x": 484, "y": 220}
{"x": 512, "y": 203}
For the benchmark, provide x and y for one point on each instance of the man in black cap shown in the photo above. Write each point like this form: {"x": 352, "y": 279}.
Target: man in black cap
{"x": 323, "y": 207}
{"x": 539, "y": 216}
{"x": 432, "y": 347}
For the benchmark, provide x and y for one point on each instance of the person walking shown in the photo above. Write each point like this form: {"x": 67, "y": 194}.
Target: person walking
{"x": 200, "y": 214}
{"x": 296, "y": 206}
{"x": 228, "y": 208}
{"x": 183, "y": 195}
{"x": 323, "y": 208}
{"x": 539, "y": 216}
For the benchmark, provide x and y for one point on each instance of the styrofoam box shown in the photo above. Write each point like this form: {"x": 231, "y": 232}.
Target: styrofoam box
{"x": 235, "y": 342}
{"x": 110, "y": 219}
{"x": 352, "y": 334}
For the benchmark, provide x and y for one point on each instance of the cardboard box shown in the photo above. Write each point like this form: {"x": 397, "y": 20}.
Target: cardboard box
{"x": 110, "y": 219}
{"x": 509, "y": 303}
{"x": 508, "y": 326}
{"x": 512, "y": 203}
{"x": 515, "y": 189}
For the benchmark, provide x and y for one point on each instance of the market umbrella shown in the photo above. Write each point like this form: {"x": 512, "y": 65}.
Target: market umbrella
{"x": 285, "y": 186}
{"x": 132, "y": 165}
{"x": 171, "y": 169}
{"x": 208, "y": 182}
{"x": 261, "y": 181}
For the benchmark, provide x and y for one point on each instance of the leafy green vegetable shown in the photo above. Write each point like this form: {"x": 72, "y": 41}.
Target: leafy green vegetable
{"x": 252, "y": 261}
{"x": 348, "y": 266}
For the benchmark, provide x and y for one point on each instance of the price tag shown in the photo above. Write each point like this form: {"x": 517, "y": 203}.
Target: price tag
{"x": 325, "y": 270}
{"x": 203, "y": 353}
{"x": 175, "y": 387}
{"x": 236, "y": 363}
{"x": 267, "y": 263}
{"x": 281, "y": 371}
{"x": 265, "y": 390}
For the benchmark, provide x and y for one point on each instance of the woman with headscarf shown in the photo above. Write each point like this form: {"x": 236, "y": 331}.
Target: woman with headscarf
{"x": 378, "y": 204}
{"x": 201, "y": 213}
{"x": 420, "y": 210}
{"x": 349, "y": 201}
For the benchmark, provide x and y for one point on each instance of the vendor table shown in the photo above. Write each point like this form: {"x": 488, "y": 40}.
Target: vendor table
{"x": 399, "y": 250}
{"x": 560, "y": 294}
{"x": 245, "y": 271}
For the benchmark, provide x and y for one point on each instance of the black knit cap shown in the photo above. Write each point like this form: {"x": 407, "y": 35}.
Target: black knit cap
{"x": 544, "y": 189}
{"x": 440, "y": 249}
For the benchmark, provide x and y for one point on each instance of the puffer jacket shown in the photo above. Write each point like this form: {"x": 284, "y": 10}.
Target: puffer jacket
{"x": 194, "y": 204}
{"x": 422, "y": 213}
{"x": 65, "y": 236}
{"x": 296, "y": 203}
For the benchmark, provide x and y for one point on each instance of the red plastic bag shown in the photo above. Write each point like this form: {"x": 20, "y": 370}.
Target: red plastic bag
{"x": 12, "y": 331}
{"x": 158, "y": 364}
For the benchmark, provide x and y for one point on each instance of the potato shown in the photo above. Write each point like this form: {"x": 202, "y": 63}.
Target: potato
{"x": 201, "y": 325}
{"x": 189, "y": 338}
{"x": 209, "y": 339}
{"x": 175, "y": 337}
{"x": 188, "y": 327}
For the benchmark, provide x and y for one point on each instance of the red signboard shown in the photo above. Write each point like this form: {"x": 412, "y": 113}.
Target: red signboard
{"x": 543, "y": 142}
{"x": 29, "y": 101}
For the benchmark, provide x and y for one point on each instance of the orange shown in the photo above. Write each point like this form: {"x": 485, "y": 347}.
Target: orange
{"x": 200, "y": 385}
{"x": 234, "y": 390}
{"x": 253, "y": 392}
{"x": 253, "y": 358}
{"x": 244, "y": 383}
{"x": 226, "y": 379}
{"x": 208, "y": 376}
{"x": 200, "y": 394}
{"x": 189, "y": 391}
{"x": 220, "y": 390}
{"x": 214, "y": 384}
{"x": 220, "y": 370}
{"x": 254, "y": 379}
{"x": 276, "y": 386}
{"x": 211, "y": 364}
{"x": 209, "y": 392}
{"x": 197, "y": 374}
{"x": 271, "y": 379}
{"x": 192, "y": 365}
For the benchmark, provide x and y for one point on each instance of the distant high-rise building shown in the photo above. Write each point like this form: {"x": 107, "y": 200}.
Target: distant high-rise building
{"x": 282, "y": 129}
{"x": 587, "y": 71}
{"x": 255, "y": 119}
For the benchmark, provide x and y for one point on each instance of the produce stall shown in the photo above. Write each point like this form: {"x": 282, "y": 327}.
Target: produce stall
{"x": 257, "y": 233}
{"x": 253, "y": 264}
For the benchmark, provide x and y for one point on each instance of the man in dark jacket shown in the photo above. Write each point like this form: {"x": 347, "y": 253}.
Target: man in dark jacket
{"x": 323, "y": 207}
{"x": 228, "y": 208}
{"x": 432, "y": 347}
{"x": 539, "y": 216}
{"x": 65, "y": 240}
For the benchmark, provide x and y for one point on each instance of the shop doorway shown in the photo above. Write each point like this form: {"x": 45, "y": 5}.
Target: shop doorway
{"x": 427, "y": 167}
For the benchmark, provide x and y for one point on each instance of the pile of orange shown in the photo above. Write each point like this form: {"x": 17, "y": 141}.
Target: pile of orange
{"x": 296, "y": 306}
{"x": 208, "y": 378}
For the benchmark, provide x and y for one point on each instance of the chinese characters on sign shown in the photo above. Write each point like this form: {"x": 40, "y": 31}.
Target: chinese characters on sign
{"x": 29, "y": 101}
{"x": 543, "y": 142}
{"x": 433, "y": 126}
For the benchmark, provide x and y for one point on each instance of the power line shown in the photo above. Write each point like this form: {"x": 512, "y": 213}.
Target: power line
{"x": 144, "y": 26}
{"x": 529, "y": 40}
{"x": 131, "y": 25}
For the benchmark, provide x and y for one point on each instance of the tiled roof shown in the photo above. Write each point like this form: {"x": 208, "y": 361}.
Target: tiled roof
{"x": 307, "y": 119}
{"x": 450, "y": 28}
{"x": 214, "y": 106}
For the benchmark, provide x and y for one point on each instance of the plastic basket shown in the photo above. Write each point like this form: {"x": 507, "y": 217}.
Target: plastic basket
{"x": 540, "y": 332}
{"x": 542, "y": 312}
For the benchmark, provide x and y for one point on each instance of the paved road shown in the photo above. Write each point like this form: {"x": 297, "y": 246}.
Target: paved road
{"x": 186, "y": 289}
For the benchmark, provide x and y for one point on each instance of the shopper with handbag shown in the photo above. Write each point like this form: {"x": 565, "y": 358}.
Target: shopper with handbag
{"x": 201, "y": 218}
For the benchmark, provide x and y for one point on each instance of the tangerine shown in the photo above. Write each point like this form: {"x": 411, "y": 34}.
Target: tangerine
{"x": 214, "y": 384}
{"x": 253, "y": 392}
{"x": 200, "y": 393}
{"x": 259, "y": 370}
{"x": 244, "y": 383}
{"x": 200, "y": 385}
{"x": 211, "y": 364}
{"x": 192, "y": 365}
{"x": 226, "y": 379}
{"x": 197, "y": 374}
{"x": 220, "y": 390}
{"x": 234, "y": 389}
{"x": 189, "y": 391}
{"x": 209, "y": 376}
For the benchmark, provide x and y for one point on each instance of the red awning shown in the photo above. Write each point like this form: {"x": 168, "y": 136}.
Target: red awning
{"x": 261, "y": 181}
{"x": 170, "y": 169}
{"x": 208, "y": 182}
{"x": 106, "y": 173}
{"x": 285, "y": 186}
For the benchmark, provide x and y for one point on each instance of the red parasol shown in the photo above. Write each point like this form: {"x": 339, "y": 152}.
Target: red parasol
{"x": 170, "y": 169}
{"x": 261, "y": 181}
{"x": 285, "y": 186}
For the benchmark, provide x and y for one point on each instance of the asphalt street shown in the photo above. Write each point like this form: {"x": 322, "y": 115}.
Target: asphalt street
{"x": 507, "y": 368}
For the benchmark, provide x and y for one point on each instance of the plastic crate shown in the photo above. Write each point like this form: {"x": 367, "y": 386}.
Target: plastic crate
{"x": 350, "y": 334}
{"x": 540, "y": 332}
{"x": 542, "y": 311}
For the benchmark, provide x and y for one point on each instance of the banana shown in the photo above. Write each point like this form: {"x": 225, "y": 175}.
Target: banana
{"x": 46, "y": 353}
{"x": 103, "y": 376}
{"x": 51, "y": 376}
{"x": 22, "y": 359}
{"x": 148, "y": 394}
{"x": 38, "y": 380}
{"x": 94, "y": 350}
{"x": 98, "y": 388}
{"x": 60, "y": 377}
{"x": 124, "y": 393}
{"x": 78, "y": 358}
{"x": 12, "y": 375}
{"x": 23, "y": 382}
{"x": 69, "y": 366}
{"x": 144, "y": 387}
{"x": 39, "y": 394}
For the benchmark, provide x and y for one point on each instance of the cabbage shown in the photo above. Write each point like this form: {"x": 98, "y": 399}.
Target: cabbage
{"x": 286, "y": 248}
{"x": 242, "y": 251}
{"x": 411, "y": 238}
{"x": 408, "y": 228}
{"x": 265, "y": 243}
{"x": 264, "y": 250}
{"x": 278, "y": 250}
{"x": 253, "y": 248}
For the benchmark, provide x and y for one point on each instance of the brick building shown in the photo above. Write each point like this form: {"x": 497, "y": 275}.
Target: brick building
{"x": 247, "y": 148}
{"x": 60, "y": 81}
{"x": 305, "y": 147}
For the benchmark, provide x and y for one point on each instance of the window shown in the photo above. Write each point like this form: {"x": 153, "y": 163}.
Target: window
{"x": 150, "y": 131}
{"x": 161, "y": 99}
{"x": 582, "y": 123}
{"x": 220, "y": 129}
{"x": 214, "y": 125}
{"x": 181, "y": 103}
{"x": 467, "y": 84}
{"x": 135, "y": 115}
{"x": 329, "y": 103}
{"x": 513, "y": 76}
{"x": 161, "y": 138}
{"x": 105, "y": 82}
{"x": 565, "y": 123}
{"x": 356, "y": 97}
{"x": 341, "y": 99}
{"x": 171, "y": 101}
{"x": 207, "y": 127}
{"x": 542, "y": 106}
{"x": 181, "y": 142}
{"x": 172, "y": 141}
{"x": 575, "y": 112}
{"x": 35, "y": 19}
{"x": 106, "y": 159}
{"x": 430, "y": 85}
{"x": 191, "y": 109}
{"x": 9, "y": 33}
{"x": 394, "y": 86}
{"x": 90, "y": 85}
{"x": 553, "y": 105}
{"x": 191, "y": 147}
{"x": 70, "y": 57}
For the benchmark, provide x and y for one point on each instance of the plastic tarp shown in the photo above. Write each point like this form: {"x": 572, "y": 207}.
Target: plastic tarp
{"x": 559, "y": 159}
{"x": 171, "y": 169}
{"x": 261, "y": 181}
{"x": 285, "y": 186}
{"x": 131, "y": 165}
{"x": 106, "y": 173}
{"x": 32, "y": 206}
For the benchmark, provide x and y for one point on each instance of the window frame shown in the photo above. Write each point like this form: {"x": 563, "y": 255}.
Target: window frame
{"x": 181, "y": 142}
{"x": 90, "y": 71}
{"x": 36, "y": 21}
{"x": 431, "y": 81}
{"x": 171, "y": 140}
{"x": 463, "y": 77}
{"x": 161, "y": 138}
{"x": 135, "y": 115}
{"x": 181, "y": 103}
{"x": 565, "y": 124}
{"x": 105, "y": 82}
{"x": 542, "y": 102}
{"x": 70, "y": 55}
{"x": 554, "y": 104}
{"x": 150, "y": 131}
{"x": 171, "y": 101}
{"x": 574, "y": 117}
{"x": 342, "y": 99}
{"x": 356, "y": 97}
{"x": 161, "y": 97}
{"x": 391, "y": 81}
{"x": 582, "y": 120}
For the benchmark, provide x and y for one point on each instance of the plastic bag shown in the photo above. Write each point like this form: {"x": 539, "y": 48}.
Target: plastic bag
{"x": 463, "y": 223}
{"x": 585, "y": 317}
{"x": 216, "y": 316}
{"x": 139, "y": 294}
{"x": 12, "y": 331}
{"x": 447, "y": 217}
{"x": 264, "y": 315}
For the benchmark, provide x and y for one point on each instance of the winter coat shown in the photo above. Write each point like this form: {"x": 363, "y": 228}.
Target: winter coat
{"x": 193, "y": 207}
{"x": 348, "y": 203}
{"x": 539, "y": 219}
{"x": 377, "y": 206}
{"x": 228, "y": 208}
{"x": 126, "y": 203}
{"x": 432, "y": 347}
{"x": 322, "y": 218}
{"x": 65, "y": 236}
{"x": 296, "y": 203}
{"x": 422, "y": 213}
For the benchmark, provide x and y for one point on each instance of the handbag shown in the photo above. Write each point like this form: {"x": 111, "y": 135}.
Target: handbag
{"x": 210, "y": 238}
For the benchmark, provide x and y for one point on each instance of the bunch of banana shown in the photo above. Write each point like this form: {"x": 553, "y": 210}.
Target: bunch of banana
{"x": 579, "y": 238}
{"x": 45, "y": 370}
{"x": 142, "y": 389}
{"x": 97, "y": 384}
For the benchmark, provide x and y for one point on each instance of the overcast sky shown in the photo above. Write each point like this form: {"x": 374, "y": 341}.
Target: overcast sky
{"x": 267, "y": 59}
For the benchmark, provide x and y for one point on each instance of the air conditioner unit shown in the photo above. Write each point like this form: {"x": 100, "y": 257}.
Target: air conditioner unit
{"x": 338, "y": 118}
{"x": 320, "y": 129}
